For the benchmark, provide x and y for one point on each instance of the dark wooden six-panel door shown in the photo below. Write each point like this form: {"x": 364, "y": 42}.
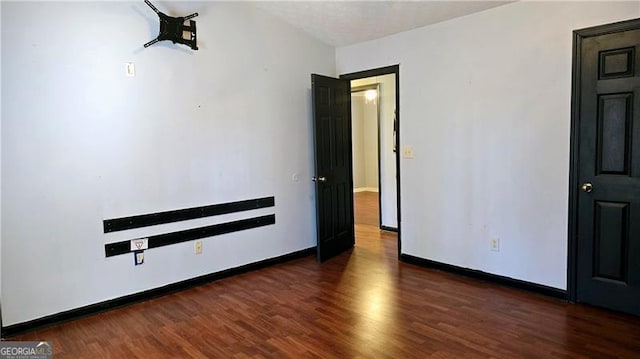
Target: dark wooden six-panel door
{"x": 334, "y": 178}
{"x": 608, "y": 255}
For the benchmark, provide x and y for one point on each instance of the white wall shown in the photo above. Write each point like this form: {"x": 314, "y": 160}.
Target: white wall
{"x": 357, "y": 141}
{"x": 485, "y": 102}
{"x": 82, "y": 142}
{"x": 370, "y": 135}
{"x": 364, "y": 130}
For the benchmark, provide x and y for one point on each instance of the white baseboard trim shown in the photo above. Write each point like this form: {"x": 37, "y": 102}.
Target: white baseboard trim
{"x": 365, "y": 189}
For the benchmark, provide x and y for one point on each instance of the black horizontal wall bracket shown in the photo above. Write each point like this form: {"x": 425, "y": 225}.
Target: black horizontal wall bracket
{"x": 144, "y": 220}
{"x": 124, "y": 247}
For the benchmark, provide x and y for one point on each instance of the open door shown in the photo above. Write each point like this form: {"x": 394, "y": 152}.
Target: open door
{"x": 334, "y": 178}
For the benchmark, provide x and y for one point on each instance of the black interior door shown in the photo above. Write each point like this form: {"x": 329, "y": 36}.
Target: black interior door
{"x": 608, "y": 237}
{"x": 334, "y": 177}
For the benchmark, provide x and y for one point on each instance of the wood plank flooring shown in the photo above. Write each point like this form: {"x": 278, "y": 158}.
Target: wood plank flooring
{"x": 365, "y": 208}
{"x": 362, "y": 304}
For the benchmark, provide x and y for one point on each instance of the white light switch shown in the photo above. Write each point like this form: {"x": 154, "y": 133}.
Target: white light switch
{"x": 130, "y": 69}
{"x": 407, "y": 152}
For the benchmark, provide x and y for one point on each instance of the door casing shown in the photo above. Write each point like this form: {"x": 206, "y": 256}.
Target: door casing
{"x": 394, "y": 69}
{"x": 578, "y": 37}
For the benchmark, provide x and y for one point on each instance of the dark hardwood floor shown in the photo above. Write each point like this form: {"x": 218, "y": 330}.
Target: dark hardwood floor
{"x": 365, "y": 208}
{"x": 362, "y": 304}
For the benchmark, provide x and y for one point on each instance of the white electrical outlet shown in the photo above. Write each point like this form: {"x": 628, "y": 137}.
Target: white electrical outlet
{"x": 198, "y": 247}
{"x": 494, "y": 244}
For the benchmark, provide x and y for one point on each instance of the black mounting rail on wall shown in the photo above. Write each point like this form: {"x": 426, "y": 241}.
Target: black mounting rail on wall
{"x": 144, "y": 220}
{"x": 124, "y": 247}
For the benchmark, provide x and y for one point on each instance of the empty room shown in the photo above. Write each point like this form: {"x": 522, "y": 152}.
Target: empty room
{"x": 320, "y": 179}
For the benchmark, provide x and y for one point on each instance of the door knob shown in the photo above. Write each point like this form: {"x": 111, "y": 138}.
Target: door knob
{"x": 587, "y": 187}
{"x": 319, "y": 179}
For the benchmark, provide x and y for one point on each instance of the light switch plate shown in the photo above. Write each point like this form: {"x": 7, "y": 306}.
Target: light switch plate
{"x": 130, "y": 69}
{"x": 494, "y": 244}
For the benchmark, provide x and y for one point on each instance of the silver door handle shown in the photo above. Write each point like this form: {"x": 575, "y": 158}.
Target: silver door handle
{"x": 319, "y": 179}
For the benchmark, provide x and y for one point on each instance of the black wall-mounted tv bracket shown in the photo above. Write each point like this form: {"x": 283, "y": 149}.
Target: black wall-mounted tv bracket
{"x": 172, "y": 28}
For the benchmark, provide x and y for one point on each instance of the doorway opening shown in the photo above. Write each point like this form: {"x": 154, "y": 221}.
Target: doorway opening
{"x": 374, "y": 121}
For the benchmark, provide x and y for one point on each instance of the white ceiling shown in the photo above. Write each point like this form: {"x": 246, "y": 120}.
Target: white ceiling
{"x": 341, "y": 23}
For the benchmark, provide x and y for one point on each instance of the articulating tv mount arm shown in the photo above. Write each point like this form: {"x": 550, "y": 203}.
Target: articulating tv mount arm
{"x": 172, "y": 28}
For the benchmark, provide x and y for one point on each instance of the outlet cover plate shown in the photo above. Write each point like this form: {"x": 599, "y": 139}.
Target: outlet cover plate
{"x": 138, "y": 257}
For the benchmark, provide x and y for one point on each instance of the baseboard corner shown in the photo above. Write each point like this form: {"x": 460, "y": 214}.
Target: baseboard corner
{"x": 487, "y": 277}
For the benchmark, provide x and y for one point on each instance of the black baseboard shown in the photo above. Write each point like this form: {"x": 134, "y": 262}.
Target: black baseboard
{"x": 488, "y": 277}
{"x": 50, "y": 320}
{"x": 390, "y": 229}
